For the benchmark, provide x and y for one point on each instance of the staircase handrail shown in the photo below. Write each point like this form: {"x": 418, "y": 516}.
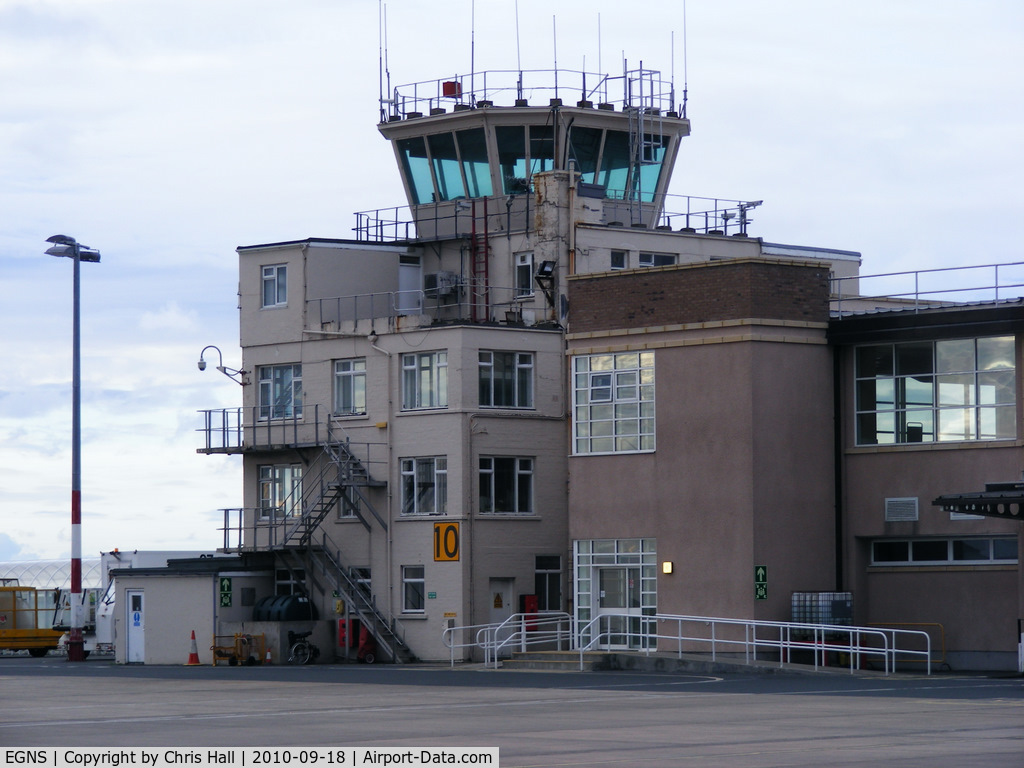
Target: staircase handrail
{"x": 523, "y": 629}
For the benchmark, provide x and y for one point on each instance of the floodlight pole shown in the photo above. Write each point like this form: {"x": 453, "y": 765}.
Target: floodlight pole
{"x": 69, "y": 247}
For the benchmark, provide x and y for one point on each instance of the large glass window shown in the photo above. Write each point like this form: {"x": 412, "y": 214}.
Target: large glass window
{"x": 350, "y": 386}
{"x": 585, "y": 148}
{"x": 614, "y": 174}
{"x": 425, "y": 486}
{"x": 613, "y": 403}
{"x": 506, "y": 485}
{"x": 506, "y": 379}
{"x": 416, "y": 168}
{"x": 477, "y": 170}
{"x": 275, "y": 285}
{"x": 936, "y": 391}
{"x": 512, "y": 158}
{"x": 280, "y": 490}
{"x": 447, "y": 171}
{"x": 425, "y": 380}
{"x": 280, "y": 391}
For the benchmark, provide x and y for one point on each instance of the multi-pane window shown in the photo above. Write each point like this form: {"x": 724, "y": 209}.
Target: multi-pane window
{"x": 936, "y": 391}
{"x": 425, "y": 485}
{"x": 613, "y": 403}
{"x": 506, "y": 379}
{"x": 275, "y": 285}
{"x": 348, "y": 503}
{"x": 1002, "y": 550}
{"x": 280, "y": 391}
{"x": 618, "y": 260}
{"x": 648, "y": 259}
{"x": 361, "y": 578}
{"x": 506, "y": 485}
{"x": 524, "y": 274}
{"x": 413, "y": 589}
{"x": 350, "y": 385}
{"x": 280, "y": 490}
{"x": 425, "y": 380}
{"x": 548, "y": 582}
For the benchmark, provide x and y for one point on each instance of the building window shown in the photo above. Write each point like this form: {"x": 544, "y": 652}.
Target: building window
{"x": 275, "y": 285}
{"x": 425, "y": 486}
{"x": 280, "y": 491}
{"x": 524, "y": 274}
{"x": 289, "y": 582}
{"x": 657, "y": 259}
{"x": 348, "y": 503}
{"x": 425, "y": 380}
{"x": 280, "y": 391}
{"x": 548, "y": 582}
{"x": 962, "y": 551}
{"x": 613, "y": 403}
{"x": 361, "y": 578}
{"x": 350, "y": 386}
{"x": 506, "y": 485}
{"x": 618, "y": 260}
{"x": 936, "y": 391}
{"x": 413, "y": 589}
{"x": 506, "y": 379}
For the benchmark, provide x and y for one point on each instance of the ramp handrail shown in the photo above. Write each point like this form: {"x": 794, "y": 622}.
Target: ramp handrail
{"x": 521, "y": 630}
{"x": 784, "y": 637}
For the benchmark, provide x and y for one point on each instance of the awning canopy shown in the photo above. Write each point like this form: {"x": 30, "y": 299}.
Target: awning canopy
{"x": 1000, "y": 500}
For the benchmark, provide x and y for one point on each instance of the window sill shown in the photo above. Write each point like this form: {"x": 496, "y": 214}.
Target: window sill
{"x": 943, "y": 568}
{"x": 959, "y": 445}
{"x": 507, "y": 516}
{"x": 418, "y": 616}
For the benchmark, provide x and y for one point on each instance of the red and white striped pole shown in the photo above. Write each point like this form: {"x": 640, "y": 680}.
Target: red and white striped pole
{"x": 68, "y": 246}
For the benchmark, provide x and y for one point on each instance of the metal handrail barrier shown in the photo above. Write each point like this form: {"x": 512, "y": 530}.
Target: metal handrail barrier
{"x": 522, "y": 629}
{"x": 918, "y": 297}
{"x": 939, "y": 629}
{"x": 784, "y": 637}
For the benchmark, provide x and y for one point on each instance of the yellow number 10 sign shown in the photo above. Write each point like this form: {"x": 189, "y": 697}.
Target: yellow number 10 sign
{"x": 446, "y": 542}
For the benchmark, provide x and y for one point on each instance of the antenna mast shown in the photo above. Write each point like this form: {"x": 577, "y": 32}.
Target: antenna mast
{"x": 685, "y": 75}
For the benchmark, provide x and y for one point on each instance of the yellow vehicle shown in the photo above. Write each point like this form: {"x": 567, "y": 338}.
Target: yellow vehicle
{"x": 26, "y": 621}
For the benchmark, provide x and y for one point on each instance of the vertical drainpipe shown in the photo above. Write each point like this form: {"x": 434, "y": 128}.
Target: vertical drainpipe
{"x": 372, "y": 340}
{"x": 837, "y": 453}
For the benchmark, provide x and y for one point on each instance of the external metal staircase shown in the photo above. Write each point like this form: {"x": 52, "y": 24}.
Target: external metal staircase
{"x": 338, "y": 477}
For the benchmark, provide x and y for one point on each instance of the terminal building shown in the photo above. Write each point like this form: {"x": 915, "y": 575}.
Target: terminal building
{"x": 545, "y": 383}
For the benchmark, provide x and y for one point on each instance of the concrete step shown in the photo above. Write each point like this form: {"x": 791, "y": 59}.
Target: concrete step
{"x": 556, "y": 660}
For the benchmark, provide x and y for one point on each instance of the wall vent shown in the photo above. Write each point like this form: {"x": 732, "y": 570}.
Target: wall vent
{"x": 901, "y": 509}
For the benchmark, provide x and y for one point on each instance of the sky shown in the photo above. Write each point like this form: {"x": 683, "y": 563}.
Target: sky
{"x": 166, "y": 134}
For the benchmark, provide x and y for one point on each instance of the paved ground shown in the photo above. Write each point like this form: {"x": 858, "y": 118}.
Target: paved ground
{"x": 537, "y": 719}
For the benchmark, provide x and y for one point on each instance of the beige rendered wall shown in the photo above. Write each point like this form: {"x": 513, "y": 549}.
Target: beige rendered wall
{"x": 174, "y": 606}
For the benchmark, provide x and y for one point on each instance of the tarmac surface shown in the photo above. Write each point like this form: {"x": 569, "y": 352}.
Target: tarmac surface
{"x": 537, "y": 719}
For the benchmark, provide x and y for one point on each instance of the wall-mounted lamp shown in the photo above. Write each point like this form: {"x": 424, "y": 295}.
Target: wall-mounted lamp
{"x": 545, "y": 278}
{"x": 666, "y": 566}
{"x": 235, "y": 374}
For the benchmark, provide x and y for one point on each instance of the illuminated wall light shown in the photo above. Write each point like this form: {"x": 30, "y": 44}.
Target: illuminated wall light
{"x": 666, "y": 566}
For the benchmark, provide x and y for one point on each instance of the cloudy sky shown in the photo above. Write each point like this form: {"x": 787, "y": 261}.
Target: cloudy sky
{"x": 167, "y": 133}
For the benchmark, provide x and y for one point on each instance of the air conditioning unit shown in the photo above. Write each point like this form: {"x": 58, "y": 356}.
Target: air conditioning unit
{"x": 440, "y": 283}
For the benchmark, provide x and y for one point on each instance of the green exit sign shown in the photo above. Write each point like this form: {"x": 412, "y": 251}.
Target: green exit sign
{"x": 760, "y": 582}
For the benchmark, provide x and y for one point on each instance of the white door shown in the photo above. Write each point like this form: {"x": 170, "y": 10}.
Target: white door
{"x": 501, "y": 609}
{"x": 135, "y": 620}
{"x": 619, "y": 598}
{"x": 410, "y": 286}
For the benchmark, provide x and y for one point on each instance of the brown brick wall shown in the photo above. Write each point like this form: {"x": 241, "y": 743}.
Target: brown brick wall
{"x": 710, "y": 292}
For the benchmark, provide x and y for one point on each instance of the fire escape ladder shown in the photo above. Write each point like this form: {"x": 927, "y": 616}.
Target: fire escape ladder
{"x": 337, "y": 476}
{"x": 324, "y": 570}
{"x": 480, "y": 262}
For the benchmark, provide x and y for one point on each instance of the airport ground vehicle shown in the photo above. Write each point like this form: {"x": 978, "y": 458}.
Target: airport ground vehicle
{"x": 26, "y": 620}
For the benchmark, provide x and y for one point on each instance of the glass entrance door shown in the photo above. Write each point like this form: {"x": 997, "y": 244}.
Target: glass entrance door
{"x": 619, "y": 599}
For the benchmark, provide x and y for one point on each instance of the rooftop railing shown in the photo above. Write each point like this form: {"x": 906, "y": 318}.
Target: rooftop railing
{"x": 685, "y": 213}
{"x": 634, "y": 89}
{"x": 927, "y": 288}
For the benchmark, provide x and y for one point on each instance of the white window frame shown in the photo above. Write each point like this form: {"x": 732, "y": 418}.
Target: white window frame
{"x": 414, "y": 589}
{"x": 524, "y": 275}
{"x": 522, "y": 390}
{"x": 350, "y": 386}
{"x": 543, "y": 578}
{"x": 424, "y": 485}
{"x": 619, "y": 259}
{"x": 655, "y": 259}
{"x": 274, "y": 401}
{"x": 274, "y": 286}
{"x": 279, "y": 490}
{"x": 520, "y": 471}
{"x": 424, "y": 380}
{"x": 950, "y": 545}
{"x": 613, "y": 403}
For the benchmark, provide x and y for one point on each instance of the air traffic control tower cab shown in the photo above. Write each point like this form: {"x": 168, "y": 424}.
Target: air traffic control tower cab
{"x": 473, "y": 143}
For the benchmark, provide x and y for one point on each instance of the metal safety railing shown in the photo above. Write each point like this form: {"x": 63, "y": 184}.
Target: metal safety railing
{"x": 519, "y": 632}
{"x": 784, "y": 640}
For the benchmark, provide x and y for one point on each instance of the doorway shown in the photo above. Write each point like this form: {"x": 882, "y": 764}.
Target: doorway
{"x": 618, "y": 598}
{"x": 135, "y": 620}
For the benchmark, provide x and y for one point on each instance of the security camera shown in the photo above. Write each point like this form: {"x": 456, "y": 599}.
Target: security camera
{"x": 202, "y": 365}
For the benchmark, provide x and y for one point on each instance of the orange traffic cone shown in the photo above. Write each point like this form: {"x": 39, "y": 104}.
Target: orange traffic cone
{"x": 267, "y": 660}
{"x": 193, "y": 654}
